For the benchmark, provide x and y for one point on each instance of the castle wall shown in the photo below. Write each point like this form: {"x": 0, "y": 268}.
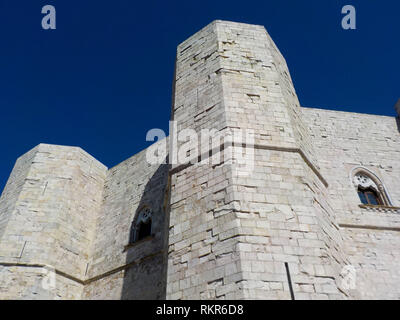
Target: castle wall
{"x": 203, "y": 261}
{"x": 11, "y": 193}
{"x": 235, "y": 228}
{"x": 258, "y": 91}
{"x": 286, "y": 181}
{"x": 198, "y": 256}
{"x": 344, "y": 141}
{"x": 22, "y": 282}
{"x": 246, "y": 222}
{"x": 119, "y": 271}
{"x": 52, "y": 221}
{"x": 375, "y": 255}
{"x": 284, "y": 216}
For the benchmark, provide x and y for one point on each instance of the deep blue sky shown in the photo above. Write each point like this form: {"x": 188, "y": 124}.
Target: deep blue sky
{"x": 104, "y": 77}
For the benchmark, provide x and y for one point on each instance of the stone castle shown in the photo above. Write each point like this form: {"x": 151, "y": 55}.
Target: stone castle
{"x": 316, "y": 217}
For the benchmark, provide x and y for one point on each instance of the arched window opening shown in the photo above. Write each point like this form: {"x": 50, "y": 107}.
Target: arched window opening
{"x": 369, "y": 196}
{"x": 142, "y": 225}
{"x": 144, "y": 230}
{"x": 370, "y": 189}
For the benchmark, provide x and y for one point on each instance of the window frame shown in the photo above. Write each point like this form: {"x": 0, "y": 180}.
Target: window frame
{"x": 143, "y": 216}
{"x": 364, "y": 179}
{"x": 369, "y": 191}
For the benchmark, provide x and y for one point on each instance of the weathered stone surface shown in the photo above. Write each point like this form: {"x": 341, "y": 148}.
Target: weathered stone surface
{"x": 129, "y": 187}
{"x": 57, "y": 194}
{"x": 224, "y": 230}
{"x": 371, "y": 236}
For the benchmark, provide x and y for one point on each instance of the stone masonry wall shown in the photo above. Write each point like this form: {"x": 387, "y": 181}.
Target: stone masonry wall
{"x": 242, "y": 224}
{"x": 53, "y": 219}
{"x": 12, "y": 191}
{"x": 202, "y": 259}
{"x": 345, "y": 141}
{"x": 29, "y": 283}
{"x": 285, "y": 182}
{"x": 118, "y": 270}
{"x": 222, "y": 230}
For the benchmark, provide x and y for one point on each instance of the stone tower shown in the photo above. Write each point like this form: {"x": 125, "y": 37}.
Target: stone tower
{"x": 237, "y": 234}
{"x": 48, "y": 214}
{"x": 264, "y": 205}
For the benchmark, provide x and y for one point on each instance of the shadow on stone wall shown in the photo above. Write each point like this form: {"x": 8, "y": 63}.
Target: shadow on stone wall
{"x": 146, "y": 276}
{"x": 398, "y": 123}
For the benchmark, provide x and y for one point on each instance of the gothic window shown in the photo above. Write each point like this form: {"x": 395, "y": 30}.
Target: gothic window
{"x": 370, "y": 189}
{"x": 142, "y": 225}
{"x": 369, "y": 196}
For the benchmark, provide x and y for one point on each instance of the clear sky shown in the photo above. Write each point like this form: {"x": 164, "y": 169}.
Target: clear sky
{"x": 103, "y": 78}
